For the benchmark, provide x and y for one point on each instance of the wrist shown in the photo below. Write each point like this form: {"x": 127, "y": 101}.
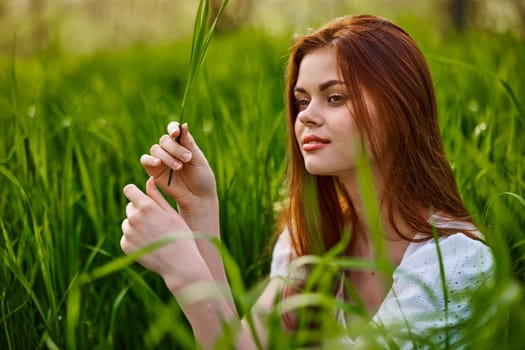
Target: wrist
{"x": 205, "y": 291}
{"x": 202, "y": 216}
{"x": 200, "y": 204}
{"x": 180, "y": 277}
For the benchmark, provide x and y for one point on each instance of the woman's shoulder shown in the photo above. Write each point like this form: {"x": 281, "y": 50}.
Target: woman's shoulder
{"x": 449, "y": 250}
{"x": 449, "y": 245}
{"x": 458, "y": 256}
{"x": 455, "y": 265}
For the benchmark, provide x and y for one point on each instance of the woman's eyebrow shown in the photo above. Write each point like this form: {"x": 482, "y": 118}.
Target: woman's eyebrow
{"x": 322, "y": 86}
{"x": 329, "y": 83}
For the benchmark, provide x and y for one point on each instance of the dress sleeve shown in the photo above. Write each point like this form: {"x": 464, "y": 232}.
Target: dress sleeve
{"x": 282, "y": 255}
{"x": 414, "y": 308}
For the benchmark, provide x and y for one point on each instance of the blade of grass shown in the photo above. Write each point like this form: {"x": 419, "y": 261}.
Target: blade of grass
{"x": 312, "y": 216}
{"x": 199, "y": 46}
{"x": 369, "y": 197}
{"x": 443, "y": 284}
{"x": 125, "y": 260}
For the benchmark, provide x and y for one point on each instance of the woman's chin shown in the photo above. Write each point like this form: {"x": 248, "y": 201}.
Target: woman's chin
{"x": 316, "y": 170}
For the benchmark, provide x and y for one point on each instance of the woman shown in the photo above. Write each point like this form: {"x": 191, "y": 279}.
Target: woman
{"x": 358, "y": 83}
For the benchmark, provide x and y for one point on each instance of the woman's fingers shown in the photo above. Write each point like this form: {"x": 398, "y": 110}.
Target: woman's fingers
{"x": 169, "y": 152}
{"x": 166, "y": 158}
{"x": 149, "y": 161}
{"x": 154, "y": 193}
{"x": 173, "y": 129}
{"x": 188, "y": 141}
{"x": 124, "y": 244}
{"x": 181, "y": 145}
{"x": 124, "y": 226}
{"x": 175, "y": 149}
{"x": 153, "y": 165}
{"x": 138, "y": 198}
{"x": 130, "y": 209}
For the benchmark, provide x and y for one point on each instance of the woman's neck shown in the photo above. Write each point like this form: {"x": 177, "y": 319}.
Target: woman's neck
{"x": 362, "y": 244}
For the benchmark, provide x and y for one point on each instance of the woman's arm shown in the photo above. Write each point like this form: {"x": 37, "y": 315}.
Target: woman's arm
{"x": 208, "y": 315}
{"x": 192, "y": 268}
{"x": 150, "y": 218}
{"x": 205, "y": 300}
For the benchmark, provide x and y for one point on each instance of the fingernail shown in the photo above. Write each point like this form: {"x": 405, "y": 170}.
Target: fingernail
{"x": 186, "y": 156}
{"x": 172, "y": 127}
{"x": 126, "y": 188}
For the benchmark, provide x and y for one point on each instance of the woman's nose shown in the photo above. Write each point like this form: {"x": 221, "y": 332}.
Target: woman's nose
{"x": 311, "y": 115}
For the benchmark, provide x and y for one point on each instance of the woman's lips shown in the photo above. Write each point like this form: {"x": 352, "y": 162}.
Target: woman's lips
{"x": 313, "y": 143}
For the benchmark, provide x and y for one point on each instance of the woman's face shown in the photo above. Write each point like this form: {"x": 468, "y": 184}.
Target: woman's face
{"x": 324, "y": 129}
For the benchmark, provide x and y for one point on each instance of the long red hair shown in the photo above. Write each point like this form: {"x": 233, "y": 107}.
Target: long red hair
{"x": 377, "y": 57}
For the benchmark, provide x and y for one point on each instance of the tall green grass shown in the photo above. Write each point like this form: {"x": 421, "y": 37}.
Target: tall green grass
{"x": 74, "y": 127}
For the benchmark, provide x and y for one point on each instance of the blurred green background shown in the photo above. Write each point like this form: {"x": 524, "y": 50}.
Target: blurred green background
{"x": 87, "y": 25}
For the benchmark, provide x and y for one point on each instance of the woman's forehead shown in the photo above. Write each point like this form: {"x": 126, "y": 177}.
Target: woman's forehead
{"x": 317, "y": 67}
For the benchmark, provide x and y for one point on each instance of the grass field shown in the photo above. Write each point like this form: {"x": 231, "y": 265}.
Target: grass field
{"x": 74, "y": 127}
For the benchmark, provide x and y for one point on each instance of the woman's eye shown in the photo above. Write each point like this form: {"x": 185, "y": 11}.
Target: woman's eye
{"x": 336, "y": 98}
{"x": 302, "y": 103}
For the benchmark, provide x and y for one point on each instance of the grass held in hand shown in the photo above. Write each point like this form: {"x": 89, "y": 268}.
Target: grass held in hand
{"x": 199, "y": 45}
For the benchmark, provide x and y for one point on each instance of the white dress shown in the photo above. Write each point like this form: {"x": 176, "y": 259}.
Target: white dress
{"x": 414, "y": 307}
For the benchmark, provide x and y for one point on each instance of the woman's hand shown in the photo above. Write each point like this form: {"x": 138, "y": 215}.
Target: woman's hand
{"x": 192, "y": 184}
{"x": 150, "y": 218}
{"x": 192, "y": 178}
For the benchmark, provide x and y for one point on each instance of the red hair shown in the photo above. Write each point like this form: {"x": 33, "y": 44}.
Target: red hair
{"x": 379, "y": 59}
